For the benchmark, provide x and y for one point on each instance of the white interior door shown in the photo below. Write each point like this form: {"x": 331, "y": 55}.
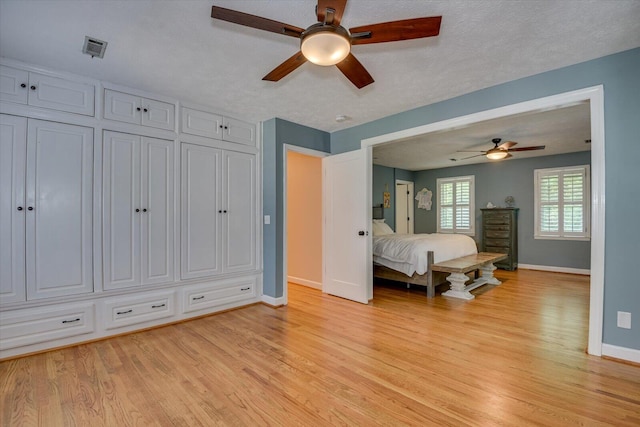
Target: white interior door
{"x": 346, "y": 233}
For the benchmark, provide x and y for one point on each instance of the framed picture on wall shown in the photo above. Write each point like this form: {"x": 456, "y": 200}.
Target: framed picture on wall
{"x": 386, "y": 196}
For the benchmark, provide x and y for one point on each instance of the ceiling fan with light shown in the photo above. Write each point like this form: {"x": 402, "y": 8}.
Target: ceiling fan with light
{"x": 329, "y": 43}
{"x": 501, "y": 151}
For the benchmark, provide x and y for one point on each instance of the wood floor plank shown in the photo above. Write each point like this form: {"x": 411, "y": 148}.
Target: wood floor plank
{"x": 513, "y": 356}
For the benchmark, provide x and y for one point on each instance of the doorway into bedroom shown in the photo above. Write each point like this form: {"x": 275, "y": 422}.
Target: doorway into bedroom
{"x": 302, "y": 238}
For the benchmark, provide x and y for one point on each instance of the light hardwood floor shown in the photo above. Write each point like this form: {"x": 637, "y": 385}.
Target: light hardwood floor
{"x": 513, "y": 356}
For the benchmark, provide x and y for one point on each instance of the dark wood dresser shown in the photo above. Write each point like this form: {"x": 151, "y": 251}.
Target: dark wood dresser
{"x": 500, "y": 234}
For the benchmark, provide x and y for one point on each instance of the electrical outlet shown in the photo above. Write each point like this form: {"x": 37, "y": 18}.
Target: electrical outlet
{"x": 267, "y": 219}
{"x": 624, "y": 320}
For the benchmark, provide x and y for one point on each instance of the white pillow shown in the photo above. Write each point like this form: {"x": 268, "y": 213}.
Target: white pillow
{"x": 378, "y": 221}
{"x": 381, "y": 229}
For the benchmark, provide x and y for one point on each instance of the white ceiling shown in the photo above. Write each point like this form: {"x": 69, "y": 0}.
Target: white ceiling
{"x": 176, "y": 49}
{"x": 560, "y": 130}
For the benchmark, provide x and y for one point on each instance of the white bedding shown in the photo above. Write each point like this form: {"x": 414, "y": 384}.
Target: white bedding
{"x": 407, "y": 253}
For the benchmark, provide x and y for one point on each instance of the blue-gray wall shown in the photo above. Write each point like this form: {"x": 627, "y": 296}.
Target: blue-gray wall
{"x": 619, "y": 74}
{"x": 384, "y": 179}
{"x": 496, "y": 180}
{"x": 276, "y": 133}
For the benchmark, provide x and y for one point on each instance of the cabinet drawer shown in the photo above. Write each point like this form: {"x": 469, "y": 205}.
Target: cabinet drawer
{"x": 33, "y": 326}
{"x": 201, "y": 123}
{"x": 214, "y": 294}
{"x": 498, "y": 249}
{"x": 497, "y": 242}
{"x": 496, "y": 234}
{"x": 129, "y": 311}
{"x": 497, "y": 219}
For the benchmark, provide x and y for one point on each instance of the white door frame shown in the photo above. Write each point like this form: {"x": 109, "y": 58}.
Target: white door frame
{"x": 286, "y": 148}
{"x": 411, "y": 208}
{"x": 595, "y": 96}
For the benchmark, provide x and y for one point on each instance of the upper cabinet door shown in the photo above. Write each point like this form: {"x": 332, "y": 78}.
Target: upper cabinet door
{"x": 122, "y": 210}
{"x": 13, "y": 152}
{"x": 122, "y": 107}
{"x": 14, "y": 85}
{"x": 63, "y": 95}
{"x": 157, "y": 210}
{"x": 239, "y": 131}
{"x": 240, "y": 207}
{"x": 59, "y": 198}
{"x": 201, "y": 212}
{"x": 157, "y": 114}
{"x": 201, "y": 123}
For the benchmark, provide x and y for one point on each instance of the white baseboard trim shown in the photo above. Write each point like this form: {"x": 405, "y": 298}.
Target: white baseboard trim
{"x": 276, "y": 302}
{"x": 305, "y": 282}
{"x": 582, "y": 271}
{"x": 622, "y": 353}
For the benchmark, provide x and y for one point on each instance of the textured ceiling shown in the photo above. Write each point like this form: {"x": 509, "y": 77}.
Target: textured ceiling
{"x": 176, "y": 49}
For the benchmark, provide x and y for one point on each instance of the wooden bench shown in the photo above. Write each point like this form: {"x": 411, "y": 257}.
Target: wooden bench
{"x": 458, "y": 268}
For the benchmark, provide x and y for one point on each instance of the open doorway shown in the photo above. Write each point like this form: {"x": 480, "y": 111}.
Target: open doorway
{"x": 302, "y": 230}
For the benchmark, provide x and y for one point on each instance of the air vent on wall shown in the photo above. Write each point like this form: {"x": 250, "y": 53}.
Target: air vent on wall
{"x": 94, "y": 47}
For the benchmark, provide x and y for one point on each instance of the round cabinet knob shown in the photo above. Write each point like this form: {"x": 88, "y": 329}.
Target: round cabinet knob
{"x": 144, "y": 210}
{"x": 145, "y": 110}
{"x": 220, "y": 211}
{"x": 138, "y": 109}
{"x": 137, "y": 210}
{"x": 30, "y": 208}
{"x": 19, "y": 208}
{"x": 23, "y": 85}
{"x": 33, "y": 88}
{"x": 224, "y": 211}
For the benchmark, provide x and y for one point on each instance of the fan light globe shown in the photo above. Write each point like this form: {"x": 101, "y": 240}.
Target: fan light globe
{"x": 325, "y": 48}
{"x": 496, "y": 154}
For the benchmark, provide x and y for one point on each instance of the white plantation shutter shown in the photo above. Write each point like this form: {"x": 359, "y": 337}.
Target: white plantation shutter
{"x": 456, "y": 205}
{"x": 562, "y": 203}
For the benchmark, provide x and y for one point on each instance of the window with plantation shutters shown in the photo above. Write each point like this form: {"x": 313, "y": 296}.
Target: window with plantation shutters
{"x": 562, "y": 203}
{"x": 456, "y": 205}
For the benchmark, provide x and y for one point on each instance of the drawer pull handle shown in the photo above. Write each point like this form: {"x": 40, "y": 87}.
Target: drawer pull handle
{"x": 245, "y": 289}
{"x": 197, "y": 298}
{"x": 71, "y": 321}
{"x": 158, "y": 305}
{"x": 125, "y": 312}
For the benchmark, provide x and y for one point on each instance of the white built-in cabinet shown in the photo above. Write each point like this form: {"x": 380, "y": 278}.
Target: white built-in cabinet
{"x": 211, "y": 125}
{"x": 138, "y": 182}
{"x": 118, "y": 221}
{"x": 39, "y": 90}
{"x": 46, "y": 197}
{"x": 138, "y": 110}
{"x": 218, "y": 231}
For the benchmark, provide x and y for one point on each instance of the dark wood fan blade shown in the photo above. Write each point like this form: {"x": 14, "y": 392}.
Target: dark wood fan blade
{"x": 286, "y": 67}
{"x": 470, "y": 151}
{"x": 537, "y": 147}
{"x": 507, "y": 145}
{"x": 336, "y": 5}
{"x": 253, "y": 21}
{"x": 355, "y": 71}
{"x": 398, "y": 30}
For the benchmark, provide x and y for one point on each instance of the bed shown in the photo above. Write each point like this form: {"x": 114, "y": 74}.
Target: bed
{"x": 407, "y": 257}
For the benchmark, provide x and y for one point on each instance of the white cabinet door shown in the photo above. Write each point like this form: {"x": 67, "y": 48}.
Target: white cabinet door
{"x": 59, "y": 94}
{"x": 201, "y": 123}
{"x": 121, "y": 210}
{"x": 157, "y": 114}
{"x": 122, "y": 107}
{"x": 201, "y": 241}
{"x": 239, "y": 211}
{"x": 59, "y": 196}
{"x": 14, "y": 85}
{"x": 13, "y": 153}
{"x": 239, "y": 131}
{"x": 157, "y": 210}
{"x": 138, "y": 210}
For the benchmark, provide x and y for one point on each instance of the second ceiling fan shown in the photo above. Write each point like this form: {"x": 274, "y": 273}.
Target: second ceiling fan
{"x": 501, "y": 151}
{"x": 329, "y": 43}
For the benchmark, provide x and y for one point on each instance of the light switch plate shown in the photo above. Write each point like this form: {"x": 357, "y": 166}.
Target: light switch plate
{"x": 267, "y": 219}
{"x": 624, "y": 320}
